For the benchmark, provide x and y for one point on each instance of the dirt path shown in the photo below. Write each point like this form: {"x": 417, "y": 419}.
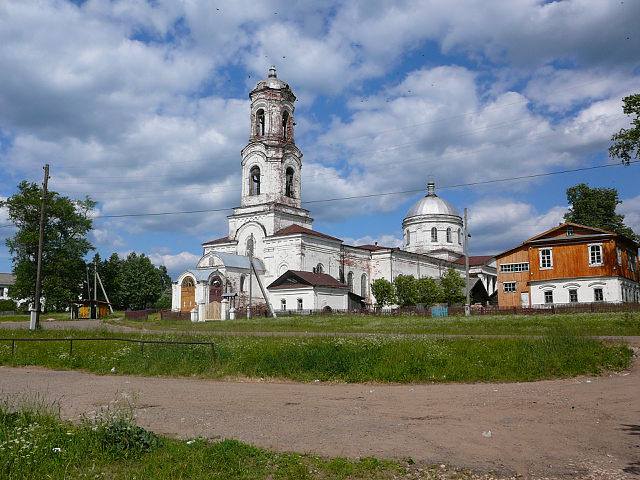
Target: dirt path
{"x": 586, "y": 427}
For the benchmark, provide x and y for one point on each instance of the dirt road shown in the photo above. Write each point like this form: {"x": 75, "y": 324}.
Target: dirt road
{"x": 586, "y": 427}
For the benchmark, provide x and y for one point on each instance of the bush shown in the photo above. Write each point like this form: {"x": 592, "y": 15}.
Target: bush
{"x": 7, "y": 306}
{"x": 120, "y": 437}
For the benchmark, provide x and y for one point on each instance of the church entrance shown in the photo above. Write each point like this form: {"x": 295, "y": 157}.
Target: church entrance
{"x": 187, "y": 295}
{"x": 214, "y": 307}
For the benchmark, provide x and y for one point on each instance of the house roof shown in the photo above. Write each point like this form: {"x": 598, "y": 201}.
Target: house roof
{"x": 297, "y": 279}
{"x": 564, "y": 225}
{"x": 217, "y": 240}
{"x": 7, "y": 279}
{"x": 476, "y": 261}
{"x": 297, "y": 229}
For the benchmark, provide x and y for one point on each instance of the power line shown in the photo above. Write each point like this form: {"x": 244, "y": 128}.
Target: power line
{"x": 382, "y": 194}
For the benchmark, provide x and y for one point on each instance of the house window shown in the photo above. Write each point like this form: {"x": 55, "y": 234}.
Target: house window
{"x": 514, "y": 267}
{"x": 288, "y": 188}
{"x": 434, "y": 234}
{"x": 569, "y": 231}
{"x": 283, "y": 304}
{"x": 509, "y": 287}
{"x": 285, "y": 124}
{"x": 363, "y": 285}
{"x": 573, "y": 295}
{"x": 299, "y": 304}
{"x": 546, "y": 258}
{"x": 260, "y": 122}
{"x": 449, "y": 240}
{"x": 619, "y": 256}
{"x": 631, "y": 260}
{"x": 595, "y": 255}
{"x": 598, "y": 295}
{"x": 548, "y": 296}
{"x": 254, "y": 181}
{"x": 350, "y": 281}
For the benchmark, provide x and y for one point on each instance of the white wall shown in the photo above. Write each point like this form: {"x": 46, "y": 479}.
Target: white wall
{"x": 611, "y": 289}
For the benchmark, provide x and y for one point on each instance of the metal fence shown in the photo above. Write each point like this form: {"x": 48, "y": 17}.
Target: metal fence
{"x": 142, "y": 343}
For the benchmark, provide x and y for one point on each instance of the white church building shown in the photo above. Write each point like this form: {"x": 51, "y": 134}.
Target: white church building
{"x": 299, "y": 268}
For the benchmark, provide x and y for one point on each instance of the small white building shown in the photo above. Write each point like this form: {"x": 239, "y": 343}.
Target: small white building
{"x": 6, "y": 281}
{"x": 271, "y": 227}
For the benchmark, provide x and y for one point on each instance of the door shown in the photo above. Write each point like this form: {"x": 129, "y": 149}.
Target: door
{"x": 187, "y": 295}
{"x": 524, "y": 299}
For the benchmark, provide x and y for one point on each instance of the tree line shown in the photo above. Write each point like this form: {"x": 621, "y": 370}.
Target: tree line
{"x": 408, "y": 291}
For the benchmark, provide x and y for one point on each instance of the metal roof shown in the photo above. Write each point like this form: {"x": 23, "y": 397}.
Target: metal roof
{"x": 7, "y": 279}
{"x": 431, "y": 204}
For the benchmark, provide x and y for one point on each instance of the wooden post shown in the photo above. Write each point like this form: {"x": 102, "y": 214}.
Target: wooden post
{"x": 34, "y": 324}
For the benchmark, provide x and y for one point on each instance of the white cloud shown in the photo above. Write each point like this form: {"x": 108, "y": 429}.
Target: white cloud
{"x": 385, "y": 240}
{"x": 630, "y": 208}
{"x": 175, "y": 263}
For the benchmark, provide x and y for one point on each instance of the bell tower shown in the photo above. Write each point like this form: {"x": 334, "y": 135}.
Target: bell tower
{"x": 271, "y": 162}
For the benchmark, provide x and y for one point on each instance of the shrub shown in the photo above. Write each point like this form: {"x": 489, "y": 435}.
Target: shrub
{"x": 121, "y": 437}
{"x": 7, "y": 306}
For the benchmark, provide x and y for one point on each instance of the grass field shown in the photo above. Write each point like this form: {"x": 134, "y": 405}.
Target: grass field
{"x": 37, "y": 444}
{"x": 24, "y": 317}
{"x": 368, "y": 359}
{"x": 578, "y": 324}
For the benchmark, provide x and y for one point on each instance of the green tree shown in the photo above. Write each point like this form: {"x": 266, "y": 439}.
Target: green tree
{"x": 109, "y": 270}
{"x": 626, "y": 143}
{"x": 429, "y": 291}
{"x": 406, "y": 290}
{"x": 596, "y": 207}
{"x": 65, "y": 244}
{"x": 384, "y": 292}
{"x": 452, "y": 285}
{"x": 140, "y": 283}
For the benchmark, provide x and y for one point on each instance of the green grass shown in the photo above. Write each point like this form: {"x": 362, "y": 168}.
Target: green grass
{"x": 368, "y": 359}
{"x": 25, "y": 317}
{"x": 627, "y": 323}
{"x": 35, "y": 443}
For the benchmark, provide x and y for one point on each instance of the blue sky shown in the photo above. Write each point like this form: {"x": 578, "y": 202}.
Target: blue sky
{"x": 143, "y": 105}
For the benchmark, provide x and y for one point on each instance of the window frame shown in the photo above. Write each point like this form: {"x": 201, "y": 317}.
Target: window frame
{"x": 514, "y": 267}
{"x": 434, "y": 234}
{"x": 541, "y": 257}
{"x": 300, "y": 303}
{"x": 548, "y": 295}
{"x": 573, "y": 293}
{"x": 590, "y": 252}
{"x": 595, "y": 295}
{"x": 283, "y": 304}
{"x": 449, "y": 237}
{"x": 510, "y": 284}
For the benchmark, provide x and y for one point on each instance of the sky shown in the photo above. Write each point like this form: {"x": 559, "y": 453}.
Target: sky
{"x": 143, "y": 106}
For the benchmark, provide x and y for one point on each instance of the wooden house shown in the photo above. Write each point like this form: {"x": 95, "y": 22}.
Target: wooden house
{"x": 567, "y": 264}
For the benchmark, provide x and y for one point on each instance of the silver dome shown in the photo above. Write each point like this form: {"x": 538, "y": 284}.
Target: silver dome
{"x": 272, "y": 81}
{"x": 431, "y": 204}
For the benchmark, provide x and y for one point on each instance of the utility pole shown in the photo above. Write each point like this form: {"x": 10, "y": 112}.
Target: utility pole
{"x": 250, "y": 282}
{"x": 467, "y": 305}
{"x": 34, "y": 324}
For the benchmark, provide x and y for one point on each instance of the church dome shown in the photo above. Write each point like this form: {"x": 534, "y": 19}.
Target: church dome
{"x": 431, "y": 204}
{"x": 272, "y": 81}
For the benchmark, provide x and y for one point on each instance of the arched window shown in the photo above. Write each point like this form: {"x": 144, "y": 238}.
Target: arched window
{"x": 188, "y": 282}
{"x": 350, "y": 281}
{"x": 363, "y": 286}
{"x": 449, "y": 240}
{"x": 242, "y": 278}
{"x": 254, "y": 180}
{"x": 459, "y": 237}
{"x": 285, "y": 124}
{"x": 288, "y": 187}
{"x": 250, "y": 245}
{"x": 260, "y": 122}
{"x": 408, "y": 237}
{"x": 434, "y": 234}
{"x": 319, "y": 268}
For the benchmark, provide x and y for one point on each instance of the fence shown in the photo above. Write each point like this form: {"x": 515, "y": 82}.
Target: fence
{"x": 558, "y": 308}
{"x": 142, "y": 343}
{"x": 139, "y": 314}
{"x": 171, "y": 315}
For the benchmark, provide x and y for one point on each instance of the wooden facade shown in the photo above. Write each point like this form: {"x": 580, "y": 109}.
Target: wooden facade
{"x": 568, "y": 248}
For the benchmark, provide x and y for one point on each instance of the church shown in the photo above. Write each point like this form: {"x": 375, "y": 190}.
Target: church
{"x": 272, "y": 253}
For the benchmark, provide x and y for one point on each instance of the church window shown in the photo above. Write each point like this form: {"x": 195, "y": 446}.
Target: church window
{"x": 434, "y": 234}
{"x": 254, "y": 181}
{"x": 260, "y": 122}
{"x": 449, "y": 240}
{"x": 459, "y": 237}
{"x": 188, "y": 282}
{"x": 288, "y": 189}
{"x": 285, "y": 124}
{"x": 350, "y": 281}
{"x": 250, "y": 245}
{"x": 408, "y": 237}
{"x": 341, "y": 274}
{"x": 363, "y": 285}
{"x": 283, "y": 304}
{"x": 299, "y": 304}
{"x": 242, "y": 279}
{"x": 319, "y": 268}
